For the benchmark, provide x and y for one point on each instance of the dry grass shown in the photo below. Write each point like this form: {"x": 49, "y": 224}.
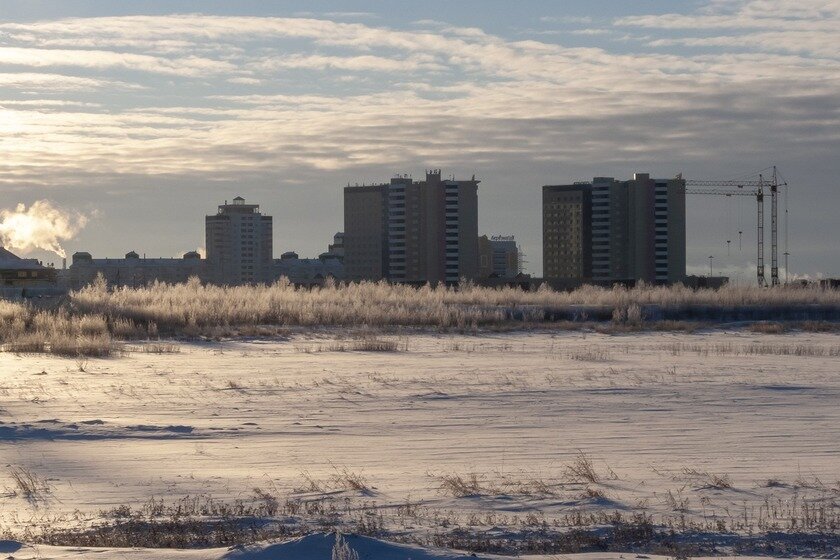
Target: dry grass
{"x": 366, "y": 343}
{"x": 25, "y": 330}
{"x": 97, "y": 316}
{"x": 703, "y": 479}
{"x": 28, "y": 484}
{"x": 767, "y": 327}
{"x": 194, "y": 306}
{"x": 803, "y": 526}
{"x": 582, "y": 469}
{"x": 342, "y": 479}
{"x": 155, "y": 348}
{"x": 472, "y": 484}
{"x": 590, "y": 354}
{"x": 751, "y": 349}
{"x": 346, "y": 479}
{"x": 378, "y": 345}
{"x": 463, "y": 486}
{"x": 341, "y": 550}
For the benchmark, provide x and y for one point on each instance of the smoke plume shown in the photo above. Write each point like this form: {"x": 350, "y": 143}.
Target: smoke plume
{"x": 41, "y": 226}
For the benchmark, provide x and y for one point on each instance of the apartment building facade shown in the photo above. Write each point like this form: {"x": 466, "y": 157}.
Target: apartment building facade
{"x": 412, "y": 231}
{"x": 239, "y": 243}
{"x": 567, "y": 248}
{"x": 133, "y": 270}
{"x": 628, "y": 230}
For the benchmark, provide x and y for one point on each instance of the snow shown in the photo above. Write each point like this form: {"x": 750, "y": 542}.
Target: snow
{"x": 659, "y": 414}
{"x": 312, "y": 547}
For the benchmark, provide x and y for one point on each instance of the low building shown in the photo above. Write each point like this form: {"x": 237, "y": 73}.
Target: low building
{"x": 307, "y": 272}
{"x": 499, "y": 257}
{"x": 133, "y": 270}
{"x": 710, "y": 282}
{"x": 17, "y": 272}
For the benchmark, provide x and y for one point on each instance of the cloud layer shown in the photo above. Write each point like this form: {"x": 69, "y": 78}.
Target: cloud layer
{"x": 217, "y": 97}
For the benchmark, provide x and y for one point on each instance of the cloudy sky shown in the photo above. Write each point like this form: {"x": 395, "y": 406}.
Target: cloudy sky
{"x": 144, "y": 115}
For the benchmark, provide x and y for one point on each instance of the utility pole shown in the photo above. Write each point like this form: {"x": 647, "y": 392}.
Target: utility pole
{"x": 711, "y": 270}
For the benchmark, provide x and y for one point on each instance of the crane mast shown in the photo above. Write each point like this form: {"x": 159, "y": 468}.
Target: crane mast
{"x": 752, "y": 188}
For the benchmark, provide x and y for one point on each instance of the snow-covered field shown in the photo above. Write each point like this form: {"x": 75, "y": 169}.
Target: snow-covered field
{"x": 314, "y": 547}
{"x": 499, "y": 435}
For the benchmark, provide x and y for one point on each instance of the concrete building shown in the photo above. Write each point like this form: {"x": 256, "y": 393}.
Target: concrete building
{"x": 133, "y": 270}
{"x": 609, "y": 230}
{"x": 239, "y": 244}
{"x": 610, "y": 233}
{"x": 335, "y": 250}
{"x": 656, "y": 221}
{"x": 312, "y": 272}
{"x": 16, "y": 272}
{"x": 412, "y": 231}
{"x": 567, "y": 231}
{"x": 307, "y": 272}
{"x": 499, "y": 257}
{"x": 366, "y": 232}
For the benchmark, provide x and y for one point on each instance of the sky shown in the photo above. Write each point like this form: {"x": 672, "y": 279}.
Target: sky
{"x": 138, "y": 118}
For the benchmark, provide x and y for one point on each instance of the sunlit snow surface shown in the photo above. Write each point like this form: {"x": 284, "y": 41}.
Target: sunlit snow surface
{"x": 660, "y": 415}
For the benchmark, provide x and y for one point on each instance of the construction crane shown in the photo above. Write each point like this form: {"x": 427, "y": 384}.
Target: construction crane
{"x": 755, "y": 188}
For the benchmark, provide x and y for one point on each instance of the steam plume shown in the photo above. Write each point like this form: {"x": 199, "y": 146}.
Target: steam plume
{"x": 41, "y": 226}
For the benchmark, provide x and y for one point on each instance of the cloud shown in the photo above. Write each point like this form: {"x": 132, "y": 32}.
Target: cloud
{"x": 807, "y": 26}
{"x": 498, "y": 96}
{"x": 60, "y": 82}
{"x": 300, "y": 99}
{"x": 38, "y": 58}
{"x": 567, "y": 19}
{"x": 363, "y": 63}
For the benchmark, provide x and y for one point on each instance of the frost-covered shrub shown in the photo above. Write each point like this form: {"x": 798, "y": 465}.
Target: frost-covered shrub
{"x": 194, "y": 306}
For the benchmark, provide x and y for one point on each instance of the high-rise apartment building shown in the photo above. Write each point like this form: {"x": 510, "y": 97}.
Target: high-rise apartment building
{"x": 412, "y": 231}
{"x": 239, "y": 244}
{"x": 365, "y": 232}
{"x": 656, "y": 221}
{"x": 610, "y": 230}
{"x": 567, "y": 211}
{"x": 610, "y": 234}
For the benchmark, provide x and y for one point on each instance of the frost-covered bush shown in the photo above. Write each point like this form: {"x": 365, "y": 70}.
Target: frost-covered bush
{"x": 194, "y": 305}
